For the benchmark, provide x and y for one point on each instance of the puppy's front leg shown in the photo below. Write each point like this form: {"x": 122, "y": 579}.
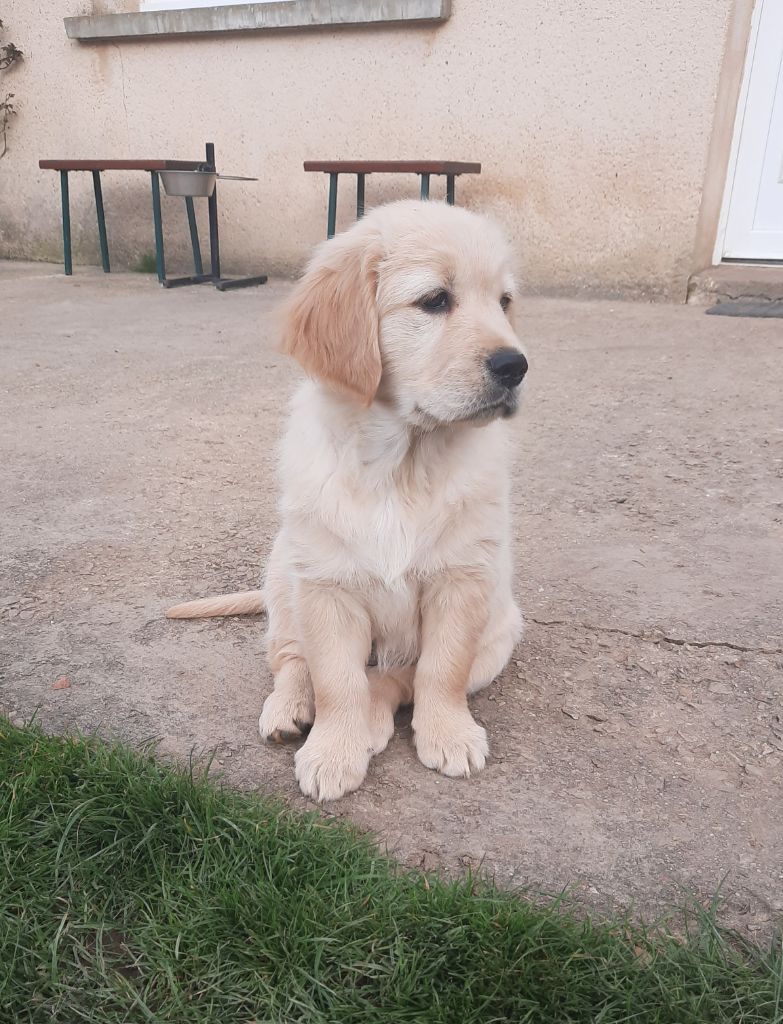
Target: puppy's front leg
{"x": 335, "y": 633}
{"x": 454, "y": 614}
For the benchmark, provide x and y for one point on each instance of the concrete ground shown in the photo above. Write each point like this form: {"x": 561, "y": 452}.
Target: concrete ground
{"x": 637, "y": 737}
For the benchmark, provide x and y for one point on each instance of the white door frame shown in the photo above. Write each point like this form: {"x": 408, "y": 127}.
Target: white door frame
{"x": 720, "y": 238}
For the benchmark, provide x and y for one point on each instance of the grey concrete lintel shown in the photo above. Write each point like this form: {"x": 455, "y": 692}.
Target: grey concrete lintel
{"x": 258, "y": 17}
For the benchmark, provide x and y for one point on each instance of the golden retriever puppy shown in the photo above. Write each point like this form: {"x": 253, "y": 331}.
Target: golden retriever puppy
{"x": 394, "y": 538}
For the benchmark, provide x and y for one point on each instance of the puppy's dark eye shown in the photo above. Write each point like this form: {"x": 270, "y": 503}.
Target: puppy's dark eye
{"x": 436, "y": 302}
{"x": 505, "y": 302}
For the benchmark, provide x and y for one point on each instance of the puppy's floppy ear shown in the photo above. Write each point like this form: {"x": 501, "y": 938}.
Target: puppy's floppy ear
{"x": 331, "y": 324}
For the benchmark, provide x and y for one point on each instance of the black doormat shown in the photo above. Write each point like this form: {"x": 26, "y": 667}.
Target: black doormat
{"x": 748, "y": 307}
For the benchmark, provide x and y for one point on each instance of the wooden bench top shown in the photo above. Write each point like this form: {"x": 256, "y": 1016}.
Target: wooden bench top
{"x": 119, "y": 165}
{"x": 392, "y": 167}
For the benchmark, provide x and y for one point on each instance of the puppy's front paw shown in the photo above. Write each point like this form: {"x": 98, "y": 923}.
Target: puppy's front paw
{"x": 331, "y": 763}
{"x": 450, "y": 741}
{"x": 286, "y": 715}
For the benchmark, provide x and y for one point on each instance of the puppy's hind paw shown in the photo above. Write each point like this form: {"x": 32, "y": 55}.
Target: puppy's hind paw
{"x": 286, "y": 716}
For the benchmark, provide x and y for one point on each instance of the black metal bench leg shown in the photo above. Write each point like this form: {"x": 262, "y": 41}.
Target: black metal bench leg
{"x": 331, "y": 219}
{"x": 96, "y": 184}
{"x": 66, "y": 210}
{"x": 214, "y": 231}
{"x": 222, "y": 284}
{"x": 194, "y": 242}
{"x": 157, "y": 217}
{"x": 359, "y": 196}
{"x": 450, "y": 189}
{"x": 199, "y": 277}
{"x": 425, "y": 186}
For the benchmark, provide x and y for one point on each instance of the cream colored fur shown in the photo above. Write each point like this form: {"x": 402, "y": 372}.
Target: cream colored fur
{"x": 394, "y": 504}
{"x": 248, "y": 602}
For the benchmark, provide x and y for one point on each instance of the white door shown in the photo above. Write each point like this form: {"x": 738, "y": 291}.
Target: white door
{"x": 754, "y": 191}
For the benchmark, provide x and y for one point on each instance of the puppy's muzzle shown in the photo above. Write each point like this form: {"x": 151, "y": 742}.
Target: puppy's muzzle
{"x": 507, "y": 367}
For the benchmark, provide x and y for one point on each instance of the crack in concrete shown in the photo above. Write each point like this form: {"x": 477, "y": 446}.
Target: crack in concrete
{"x": 122, "y": 82}
{"x": 662, "y": 639}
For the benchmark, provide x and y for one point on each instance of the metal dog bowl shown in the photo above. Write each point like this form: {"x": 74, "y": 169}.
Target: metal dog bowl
{"x": 188, "y": 183}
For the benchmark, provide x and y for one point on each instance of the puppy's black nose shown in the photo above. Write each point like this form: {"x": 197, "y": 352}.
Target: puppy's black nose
{"x": 507, "y": 366}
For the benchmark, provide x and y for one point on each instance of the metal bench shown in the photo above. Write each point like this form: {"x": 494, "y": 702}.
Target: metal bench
{"x": 154, "y": 168}
{"x": 451, "y": 169}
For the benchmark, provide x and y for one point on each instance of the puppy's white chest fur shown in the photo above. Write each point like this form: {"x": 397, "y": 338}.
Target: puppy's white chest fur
{"x": 394, "y": 532}
{"x": 401, "y": 507}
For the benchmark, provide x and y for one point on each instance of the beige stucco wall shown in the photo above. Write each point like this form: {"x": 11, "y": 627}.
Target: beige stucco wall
{"x": 592, "y": 119}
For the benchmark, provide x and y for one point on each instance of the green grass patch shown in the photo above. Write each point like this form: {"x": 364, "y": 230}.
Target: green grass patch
{"x": 145, "y": 264}
{"x": 133, "y": 892}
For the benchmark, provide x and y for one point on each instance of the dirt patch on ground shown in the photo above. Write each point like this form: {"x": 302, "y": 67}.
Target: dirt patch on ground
{"x": 637, "y": 738}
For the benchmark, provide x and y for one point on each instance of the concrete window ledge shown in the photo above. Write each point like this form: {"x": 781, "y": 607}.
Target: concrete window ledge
{"x": 258, "y": 17}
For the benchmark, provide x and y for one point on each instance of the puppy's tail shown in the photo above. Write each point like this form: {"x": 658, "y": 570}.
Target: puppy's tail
{"x": 248, "y": 602}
